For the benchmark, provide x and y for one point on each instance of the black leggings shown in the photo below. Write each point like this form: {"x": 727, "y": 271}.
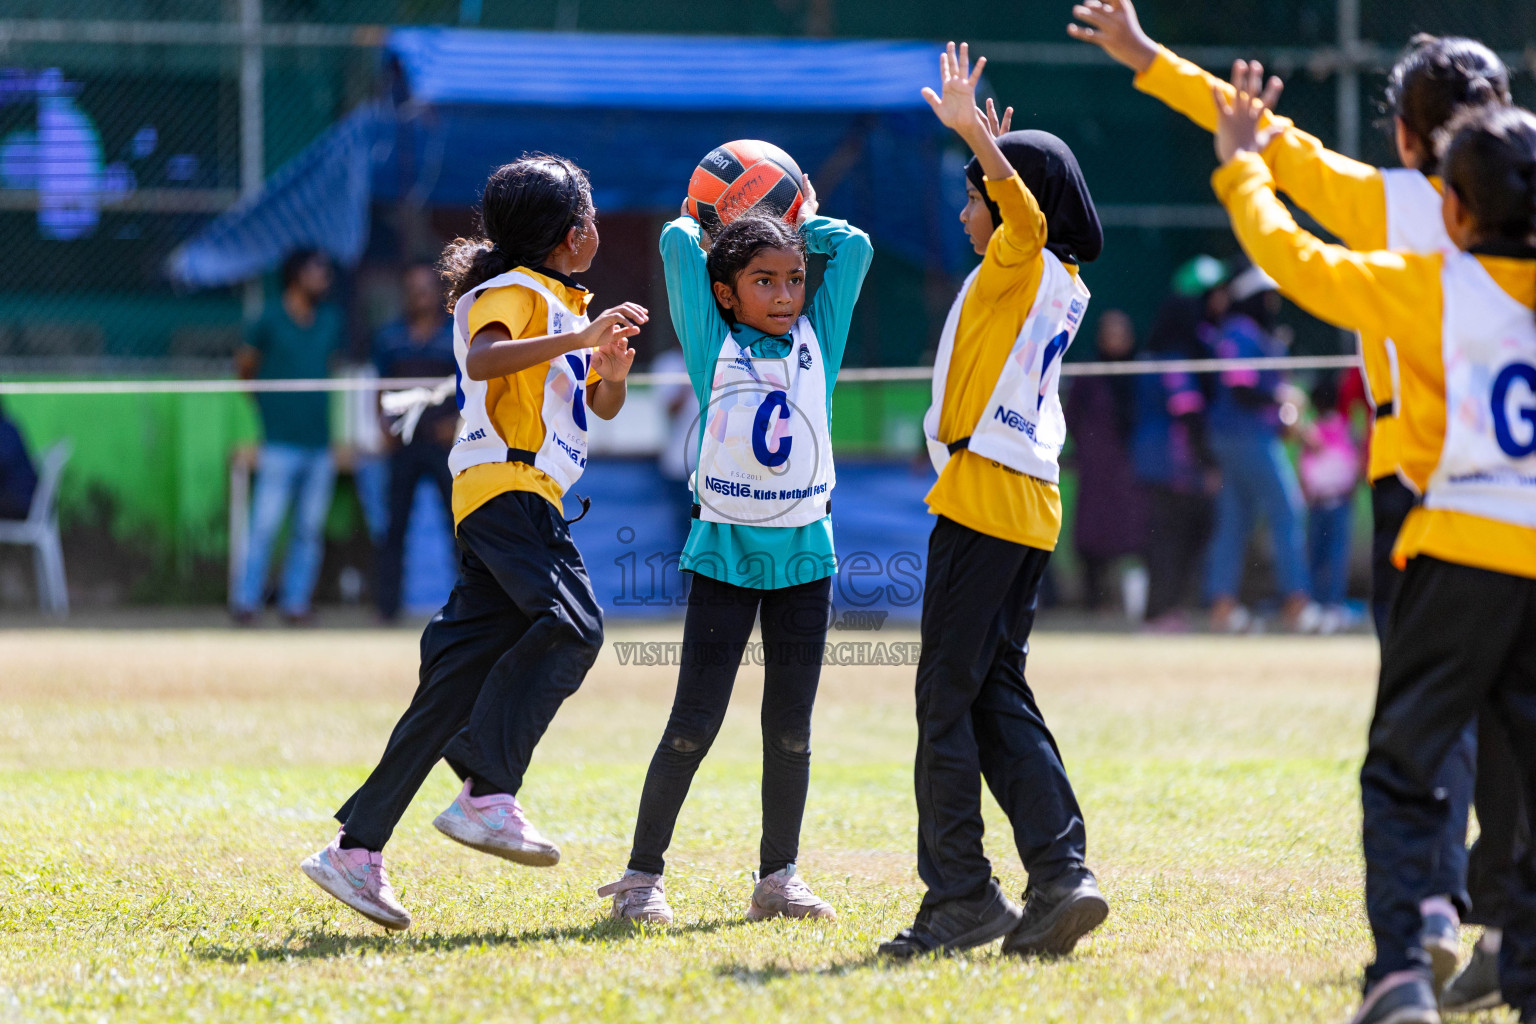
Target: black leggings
{"x": 715, "y": 635}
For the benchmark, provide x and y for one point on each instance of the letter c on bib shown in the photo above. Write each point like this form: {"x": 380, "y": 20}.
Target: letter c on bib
{"x": 776, "y": 401}
{"x": 1513, "y": 446}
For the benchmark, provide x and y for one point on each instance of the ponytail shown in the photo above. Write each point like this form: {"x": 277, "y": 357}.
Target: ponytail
{"x": 1435, "y": 79}
{"x": 527, "y": 210}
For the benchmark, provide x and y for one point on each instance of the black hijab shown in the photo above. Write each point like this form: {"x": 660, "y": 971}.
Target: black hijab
{"x": 1050, "y": 172}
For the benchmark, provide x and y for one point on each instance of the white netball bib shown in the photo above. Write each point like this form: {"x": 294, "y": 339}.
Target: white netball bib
{"x": 1488, "y": 463}
{"x": 563, "y": 455}
{"x": 1023, "y": 426}
{"x": 1414, "y": 222}
{"x": 1414, "y": 225}
{"x": 765, "y": 450}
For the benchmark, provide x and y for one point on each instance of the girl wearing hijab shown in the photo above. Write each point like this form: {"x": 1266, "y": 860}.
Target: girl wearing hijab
{"x": 995, "y": 431}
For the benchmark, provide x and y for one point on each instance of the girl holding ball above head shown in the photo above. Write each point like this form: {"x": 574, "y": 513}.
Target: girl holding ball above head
{"x": 522, "y": 626}
{"x": 1460, "y": 642}
{"x": 763, "y": 363}
{"x": 995, "y": 431}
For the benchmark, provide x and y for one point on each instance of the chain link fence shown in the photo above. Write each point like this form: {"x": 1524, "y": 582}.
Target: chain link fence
{"x": 125, "y": 126}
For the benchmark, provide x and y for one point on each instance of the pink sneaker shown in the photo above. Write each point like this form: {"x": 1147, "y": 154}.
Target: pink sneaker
{"x": 638, "y": 898}
{"x": 496, "y": 825}
{"x": 785, "y": 894}
{"x": 357, "y": 878}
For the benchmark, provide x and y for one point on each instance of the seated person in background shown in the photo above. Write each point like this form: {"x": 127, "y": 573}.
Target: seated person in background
{"x": 18, "y": 478}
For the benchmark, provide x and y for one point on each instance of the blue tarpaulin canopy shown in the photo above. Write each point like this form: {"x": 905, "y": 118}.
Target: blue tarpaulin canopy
{"x": 637, "y": 112}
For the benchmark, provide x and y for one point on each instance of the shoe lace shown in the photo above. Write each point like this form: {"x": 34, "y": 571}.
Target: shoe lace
{"x": 515, "y": 812}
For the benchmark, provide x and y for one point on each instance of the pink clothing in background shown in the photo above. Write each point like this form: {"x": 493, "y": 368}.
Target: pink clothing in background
{"x": 1330, "y": 461}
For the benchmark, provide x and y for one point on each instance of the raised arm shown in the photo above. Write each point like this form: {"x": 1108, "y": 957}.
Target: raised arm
{"x": 1344, "y": 195}
{"x": 1379, "y": 293}
{"x": 850, "y": 253}
{"x": 1017, "y": 241}
{"x": 694, "y": 316}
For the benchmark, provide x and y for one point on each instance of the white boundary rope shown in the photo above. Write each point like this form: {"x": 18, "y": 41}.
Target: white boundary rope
{"x": 853, "y": 376}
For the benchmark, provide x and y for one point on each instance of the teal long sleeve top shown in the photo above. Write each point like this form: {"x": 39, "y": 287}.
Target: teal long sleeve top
{"x": 761, "y": 557}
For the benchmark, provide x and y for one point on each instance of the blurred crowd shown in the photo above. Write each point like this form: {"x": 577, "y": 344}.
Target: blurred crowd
{"x": 1232, "y": 490}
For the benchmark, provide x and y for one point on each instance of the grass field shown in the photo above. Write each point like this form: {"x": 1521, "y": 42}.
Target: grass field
{"x": 157, "y": 789}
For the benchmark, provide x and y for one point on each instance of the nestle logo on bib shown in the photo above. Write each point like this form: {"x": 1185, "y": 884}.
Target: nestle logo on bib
{"x": 1075, "y": 312}
{"x": 727, "y": 487}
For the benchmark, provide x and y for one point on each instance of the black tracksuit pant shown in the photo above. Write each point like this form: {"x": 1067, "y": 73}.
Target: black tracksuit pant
{"x": 1460, "y": 643}
{"x": 715, "y": 634}
{"x": 1504, "y": 822}
{"x": 407, "y": 465}
{"x": 1391, "y": 501}
{"x": 977, "y": 718}
{"x": 516, "y": 638}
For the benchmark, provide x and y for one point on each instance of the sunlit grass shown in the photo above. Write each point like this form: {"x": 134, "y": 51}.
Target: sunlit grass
{"x": 158, "y": 789}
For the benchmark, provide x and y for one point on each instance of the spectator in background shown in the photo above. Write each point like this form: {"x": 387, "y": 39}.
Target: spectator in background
{"x": 1173, "y": 462}
{"x": 1110, "y": 520}
{"x": 419, "y": 344}
{"x": 18, "y": 477}
{"x": 1330, "y": 472}
{"x": 1249, "y": 415}
{"x": 296, "y": 339}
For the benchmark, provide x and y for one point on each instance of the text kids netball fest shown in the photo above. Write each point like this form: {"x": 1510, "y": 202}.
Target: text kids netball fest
{"x": 460, "y": 459}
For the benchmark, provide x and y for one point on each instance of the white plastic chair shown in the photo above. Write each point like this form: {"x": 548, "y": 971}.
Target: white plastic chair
{"x": 40, "y": 531}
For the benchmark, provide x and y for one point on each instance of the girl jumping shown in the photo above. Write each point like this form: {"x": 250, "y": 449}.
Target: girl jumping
{"x": 522, "y": 626}
{"x": 763, "y": 364}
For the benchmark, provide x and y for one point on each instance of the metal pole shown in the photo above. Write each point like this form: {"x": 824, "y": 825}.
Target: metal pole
{"x": 1348, "y": 98}
{"x": 252, "y": 124}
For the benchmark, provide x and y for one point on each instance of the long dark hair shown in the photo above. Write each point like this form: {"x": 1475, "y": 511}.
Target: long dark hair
{"x": 1436, "y": 77}
{"x": 527, "y": 209}
{"x": 740, "y": 241}
{"x": 1490, "y": 163}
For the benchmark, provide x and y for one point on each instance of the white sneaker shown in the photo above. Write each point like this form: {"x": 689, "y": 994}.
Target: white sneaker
{"x": 638, "y": 898}
{"x": 495, "y": 824}
{"x": 356, "y": 877}
{"x": 785, "y": 894}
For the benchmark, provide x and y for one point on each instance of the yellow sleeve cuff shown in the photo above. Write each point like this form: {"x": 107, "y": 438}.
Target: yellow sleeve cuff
{"x": 1243, "y": 169}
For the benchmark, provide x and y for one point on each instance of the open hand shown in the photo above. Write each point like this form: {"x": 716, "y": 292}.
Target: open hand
{"x": 956, "y": 107}
{"x": 996, "y": 125}
{"x": 808, "y": 202}
{"x": 1112, "y": 26}
{"x": 1237, "y": 120}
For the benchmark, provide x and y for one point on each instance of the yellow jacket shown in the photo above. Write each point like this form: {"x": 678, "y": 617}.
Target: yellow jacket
{"x": 1385, "y": 294}
{"x": 974, "y": 491}
{"x": 1345, "y": 196}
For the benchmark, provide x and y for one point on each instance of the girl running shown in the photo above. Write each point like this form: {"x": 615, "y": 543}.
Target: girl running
{"x": 522, "y": 626}
{"x": 1460, "y": 640}
{"x": 995, "y": 432}
{"x": 763, "y": 364}
{"x": 1370, "y": 209}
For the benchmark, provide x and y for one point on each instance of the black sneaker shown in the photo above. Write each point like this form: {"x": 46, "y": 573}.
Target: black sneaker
{"x": 956, "y": 924}
{"x": 1402, "y": 997}
{"x": 1440, "y": 937}
{"x": 1476, "y": 987}
{"x": 1056, "y": 916}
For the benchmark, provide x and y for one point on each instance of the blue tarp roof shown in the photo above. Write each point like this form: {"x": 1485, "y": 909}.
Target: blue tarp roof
{"x": 646, "y": 72}
{"x": 637, "y": 112}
